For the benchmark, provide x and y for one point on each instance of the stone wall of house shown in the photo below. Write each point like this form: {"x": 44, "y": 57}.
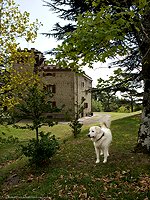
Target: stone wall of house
{"x": 61, "y": 83}
{"x": 83, "y": 85}
{"x": 68, "y": 90}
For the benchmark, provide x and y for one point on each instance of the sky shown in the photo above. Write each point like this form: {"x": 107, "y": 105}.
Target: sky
{"x": 48, "y": 18}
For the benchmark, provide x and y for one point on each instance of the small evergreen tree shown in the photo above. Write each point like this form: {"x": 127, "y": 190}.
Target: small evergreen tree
{"x": 75, "y": 124}
{"x": 34, "y": 105}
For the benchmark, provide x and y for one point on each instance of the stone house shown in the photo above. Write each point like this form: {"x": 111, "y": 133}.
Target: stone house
{"x": 69, "y": 88}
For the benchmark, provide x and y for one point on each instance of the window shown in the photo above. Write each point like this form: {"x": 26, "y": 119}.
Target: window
{"x": 50, "y": 88}
{"x": 82, "y": 84}
{"x": 53, "y": 104}
{"x": 53, "y": 89}
{"x": 48, "y": 74}
{"x": 85, "y": 105}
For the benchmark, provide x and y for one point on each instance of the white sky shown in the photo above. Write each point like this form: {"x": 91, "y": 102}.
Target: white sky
{"x": 42, "y": 43}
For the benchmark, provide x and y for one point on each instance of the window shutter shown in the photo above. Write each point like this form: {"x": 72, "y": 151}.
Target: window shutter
{"x": 53, "y": 89}
{"x": 53, "y": 104}
{"x": 85, "y": 105}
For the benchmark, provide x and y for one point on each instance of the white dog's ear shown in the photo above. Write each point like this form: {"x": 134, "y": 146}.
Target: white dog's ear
{"x": 98, "y": 129}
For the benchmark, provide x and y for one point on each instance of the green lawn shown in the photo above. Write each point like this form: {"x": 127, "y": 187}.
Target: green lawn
{"x": 72, "y": 173}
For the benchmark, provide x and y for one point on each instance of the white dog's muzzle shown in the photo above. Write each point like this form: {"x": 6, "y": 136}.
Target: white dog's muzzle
{"x": 90, "y": 136}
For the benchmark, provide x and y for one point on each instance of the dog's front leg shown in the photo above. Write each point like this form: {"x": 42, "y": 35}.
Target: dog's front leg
{"x": 101, "y": 152}
{"x": 105, "y": 155}
{"x": 97, "y": 154}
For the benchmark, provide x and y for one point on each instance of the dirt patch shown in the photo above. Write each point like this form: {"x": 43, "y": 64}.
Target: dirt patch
{"x": 12, "y": 180}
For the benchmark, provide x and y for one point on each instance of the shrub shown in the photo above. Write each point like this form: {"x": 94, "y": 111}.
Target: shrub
{"x": 76, "y": 127}
{"x": 123, "y": 109}
{"x": 6, "y": 117}
{"x": 9, "y": 140}
{"x": 40, "y": 151}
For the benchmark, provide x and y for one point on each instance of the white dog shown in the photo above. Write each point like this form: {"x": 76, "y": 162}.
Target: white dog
{"x": 101, "y": 137}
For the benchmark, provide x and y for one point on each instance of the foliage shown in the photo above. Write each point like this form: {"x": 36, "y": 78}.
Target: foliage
{"x": 16, "y": 86}
{"x": 123, "y": 109}
{"x": 39, "y": 152}
{"x": 33, "y": 105}
{"x": 116, "y": 105}
{"x": 68, "y": 11}
{"x": 96, "y": 106}
{"x": 10, "y": 139}
{"x": 137, "y": 107}
{"x": 101, "y": 34}
{"x": 121, "y": 81}
{"x": 105, "y": 94}
{"x": 75, "y": 124}
{"x": 76, "y": 127}
{"x": 5, "y": 117}
{"x": 14, "y": 25}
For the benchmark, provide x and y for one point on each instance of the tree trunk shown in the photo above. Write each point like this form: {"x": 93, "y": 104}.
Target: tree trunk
{"x": 131, "y": 99}
{"x": 144, "y": 130}
{"x": 37, "y": 134}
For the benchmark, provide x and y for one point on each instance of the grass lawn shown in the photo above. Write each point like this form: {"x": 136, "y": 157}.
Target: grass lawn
{"x": 72, "y": 172}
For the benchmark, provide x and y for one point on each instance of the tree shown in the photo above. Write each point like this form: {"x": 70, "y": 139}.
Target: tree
{"x": 75, "y": 125}
{"x": 33, "y": 105}
{"x": 68, "y": 10}
{"x": 14, "y": 25}
{"x": 105, "y": 93}
{"x": 121, "y": 81}
{"x": 107, "y": 29}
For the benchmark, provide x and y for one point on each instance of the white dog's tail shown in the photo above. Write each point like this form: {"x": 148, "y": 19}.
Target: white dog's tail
{"x": 105, "y": 121}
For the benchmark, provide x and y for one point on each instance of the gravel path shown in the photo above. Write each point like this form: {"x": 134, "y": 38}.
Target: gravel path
{"x": 95, "y": 118}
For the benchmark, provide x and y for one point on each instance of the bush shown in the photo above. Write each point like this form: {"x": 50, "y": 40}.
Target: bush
{"x": 40, "y": 151}
{"x": 124, "y": 109}
{"x": 137, "y": 107}
{"x": 96, "y": 106}
{"x": 9, "y": 140}
{"x": 6, "y": 117}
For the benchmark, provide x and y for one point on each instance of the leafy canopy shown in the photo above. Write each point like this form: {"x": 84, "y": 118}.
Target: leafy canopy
{"x": 115, "y": 29}
{"x": 14, "y": 25}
